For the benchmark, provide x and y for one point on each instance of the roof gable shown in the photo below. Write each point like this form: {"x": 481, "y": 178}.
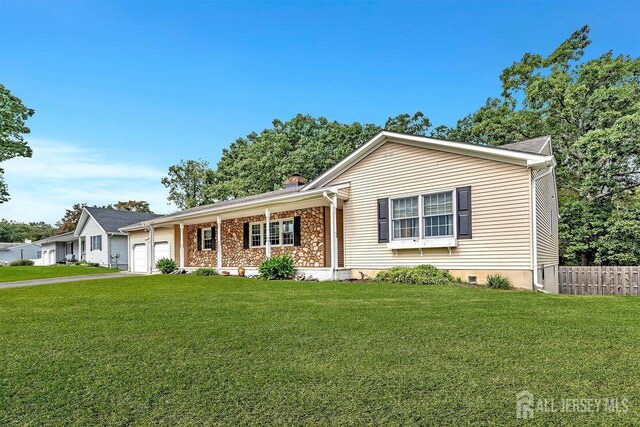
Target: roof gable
{"x": 111, "y": 220}
{"x": 474, "y": 150}
{"x": 541, "y": 145}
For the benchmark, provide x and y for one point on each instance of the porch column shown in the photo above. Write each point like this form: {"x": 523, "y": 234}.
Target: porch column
{"x": 129, "y": 259}
{"x": 151, "y": 247}
{"x": 79, "y": 248}
{"x": 181, "y": 246}
{"x": 268, "y": 242}
{"x": 219, "y": 242}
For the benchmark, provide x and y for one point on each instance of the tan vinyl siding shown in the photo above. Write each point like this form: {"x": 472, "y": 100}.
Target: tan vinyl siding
{"x": 547, "y": 220}
{"x": 164, "y": 234}
{"x": 500, "y": 203}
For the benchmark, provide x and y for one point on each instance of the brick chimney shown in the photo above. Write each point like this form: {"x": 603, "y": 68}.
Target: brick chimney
{"x": 294, "y": 180}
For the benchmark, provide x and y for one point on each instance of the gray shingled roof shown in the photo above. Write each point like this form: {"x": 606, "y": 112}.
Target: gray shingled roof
{"x": 533, "y": 146}
{"x": 112, "y": 220}
{"x": 239, "y": 200}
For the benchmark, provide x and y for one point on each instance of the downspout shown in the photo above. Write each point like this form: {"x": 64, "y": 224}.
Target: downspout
{"x": 534, "y": 219}
{"x": 109, "y": 236}
{"x": 333, "y": 204}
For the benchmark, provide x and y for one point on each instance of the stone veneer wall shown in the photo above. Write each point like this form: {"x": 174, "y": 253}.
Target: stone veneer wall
{"x": 310, "y": 253}
{"x": 194, "y": 257}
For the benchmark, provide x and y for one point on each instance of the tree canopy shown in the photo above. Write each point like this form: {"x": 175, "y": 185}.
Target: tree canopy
{"x": 13, "y": 115}
{"x": 13, "y": 231}
{"x": 188, "y": 182}
{"x": 591, "y": 109}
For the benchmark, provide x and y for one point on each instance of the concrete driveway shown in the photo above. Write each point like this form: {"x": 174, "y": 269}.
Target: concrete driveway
{"x": 53, "y": 280}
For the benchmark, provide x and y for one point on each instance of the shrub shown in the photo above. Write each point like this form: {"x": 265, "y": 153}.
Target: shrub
{"x": 421, "y": 275}
{"x": 205, "y": 272}
{"x": 166, "y": 265}
{"x": 86, "y": 264}
{"x": 277, "y": 268}
{"x": 20, "y": 262}
{"x": 498, "y": 281}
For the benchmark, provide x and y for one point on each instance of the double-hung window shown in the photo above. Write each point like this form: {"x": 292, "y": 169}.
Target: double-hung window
{"x": 438, "y": 214}
{"x": 256, "y": 234}
{"x": 287, "y": 232}
{"x": 405, "y": 217}
{"x": 96, "y": 243}
{"x": 207, "y": 239}
{"x": 274, "y": 233}
{"x": 280, "y": 233}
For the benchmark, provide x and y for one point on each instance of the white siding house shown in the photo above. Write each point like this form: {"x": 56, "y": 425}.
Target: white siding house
{"x": 58, "y": 249}
{"x": 99, "y": 238}
{"x": 14, "y": 251}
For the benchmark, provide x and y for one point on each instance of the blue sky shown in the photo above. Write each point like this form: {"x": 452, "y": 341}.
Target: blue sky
{"x": 123, "y": 90}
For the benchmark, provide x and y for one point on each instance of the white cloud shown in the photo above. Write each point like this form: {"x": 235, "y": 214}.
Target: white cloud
{"x": 60, "y": 174}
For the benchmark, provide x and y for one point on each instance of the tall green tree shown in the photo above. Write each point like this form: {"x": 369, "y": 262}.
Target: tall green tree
{"x": 187, "y": 183}
{"x": 70, "y": 218}
{"x": 13, "y": 231}
{"x": 13, "y": 115}
{"x": 591, "y": 109}
{"x": 307, "y": 145}
{"x": 133, "y": 206}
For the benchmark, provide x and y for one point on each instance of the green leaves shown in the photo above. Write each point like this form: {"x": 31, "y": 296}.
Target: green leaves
{"x": 13, "y": 115}
{"x": 591, "y": 109}
{"x": 187, "y": 182}
{"x": 260, "y": 162}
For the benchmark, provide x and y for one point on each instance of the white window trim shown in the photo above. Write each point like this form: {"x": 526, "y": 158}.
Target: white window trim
{"x": 422, "y": 241}
{"x": 453, "y": 214}
{"x": 203, "y": 239}
{"x": 262, "y": 232}
{"x": 410, "y": 217}
{"x": 93, "y": 247}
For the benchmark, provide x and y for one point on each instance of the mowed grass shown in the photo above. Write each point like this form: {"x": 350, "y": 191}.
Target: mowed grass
{"x": 183, "y": 350}
{"x": 14, "y": 274}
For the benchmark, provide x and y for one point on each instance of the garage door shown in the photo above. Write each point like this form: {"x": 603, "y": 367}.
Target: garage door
{"x": 161, "y": 251}
{"x": 140, "y": 258}
{"x": 52, "y": 257}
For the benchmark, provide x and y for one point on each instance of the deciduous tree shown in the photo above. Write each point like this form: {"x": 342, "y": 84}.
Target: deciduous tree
{"x": 13, "y": 115}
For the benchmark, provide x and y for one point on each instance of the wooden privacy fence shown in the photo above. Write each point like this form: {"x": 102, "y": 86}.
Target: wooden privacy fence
{"x": 599, "y": 280}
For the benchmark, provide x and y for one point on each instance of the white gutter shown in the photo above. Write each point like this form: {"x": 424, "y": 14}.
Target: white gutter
{"x": 170, "y": 219}
{"x": 534, "y": 220}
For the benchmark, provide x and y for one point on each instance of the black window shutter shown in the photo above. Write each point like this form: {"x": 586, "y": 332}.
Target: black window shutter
{"x": 199, "y": 234}
{"x": 245, "y": 236}
{"x": 463, "y": 201}
{"x": 296, "y": 231}
{"x": 383, "y": 220}
{"x": 213, "y": 238}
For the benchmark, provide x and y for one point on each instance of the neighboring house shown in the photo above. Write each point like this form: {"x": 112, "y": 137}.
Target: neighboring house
{"x": 14, "y": 251}
{"x": 397, "y": 200}
{"x": 99, "y": 239}
{"x": 59, "y": 249}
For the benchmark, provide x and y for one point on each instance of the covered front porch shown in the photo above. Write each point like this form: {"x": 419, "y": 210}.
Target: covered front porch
{"x": 307, "y": 226}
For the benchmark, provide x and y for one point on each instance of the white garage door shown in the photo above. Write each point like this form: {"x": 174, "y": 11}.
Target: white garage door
{"x": 52, "y": 257}
{"x": 161, "y": 251}
{"x": 140, "y": 258}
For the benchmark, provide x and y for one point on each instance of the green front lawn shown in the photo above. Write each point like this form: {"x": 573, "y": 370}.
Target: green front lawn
{"x": 13, "y": 274}
{"x": 184, "y": 350}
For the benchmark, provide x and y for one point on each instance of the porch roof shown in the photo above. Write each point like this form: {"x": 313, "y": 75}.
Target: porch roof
{"x": 64, "y": 237}
{"x": 285, "y": 195}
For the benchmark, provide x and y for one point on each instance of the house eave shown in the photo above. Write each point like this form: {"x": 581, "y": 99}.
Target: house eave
{"x": 300, "y": 196}
{"x": 480, "y": 151}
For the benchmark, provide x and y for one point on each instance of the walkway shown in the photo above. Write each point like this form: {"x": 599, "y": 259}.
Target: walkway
{"x": 66, "y": 279}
